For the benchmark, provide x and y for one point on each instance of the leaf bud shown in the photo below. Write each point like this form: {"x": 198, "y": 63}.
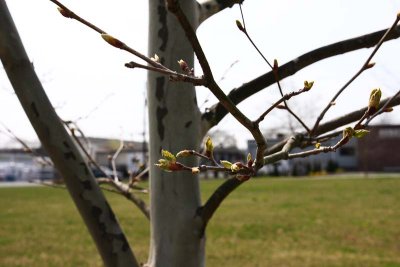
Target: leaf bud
{"x": 317, "y": 145}
{"x": 308, "y": 85}
{"x": 183, "y": 65}
{"x": 65, "y": 13}
{"x": 249, "y": 157}
{"x": 156, "y": 58}
{"x": 112, "y": 41}
{"x": 348, "y": 132}
{"x": 209, "y": 147}
{"x": 195, "y": 170}
{"x": 276, "y": 66}
{"x": 183, "y": 153}
{"x": 235, "y": 167}
{"x": 226, "y": 164}
{"x": 374, "y": 100}
{"x": 240, "y": 26}
{"x": 370, "y": 65}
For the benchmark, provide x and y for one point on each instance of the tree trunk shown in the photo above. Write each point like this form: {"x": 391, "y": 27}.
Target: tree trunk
{"x": 174, "y": 121}
{"x": 89, "y": 200}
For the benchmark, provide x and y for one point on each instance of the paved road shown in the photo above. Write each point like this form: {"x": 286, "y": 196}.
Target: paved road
{"x": 17, "y": 184}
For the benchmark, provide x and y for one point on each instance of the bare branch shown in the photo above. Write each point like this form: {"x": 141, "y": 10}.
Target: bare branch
{"x": 89, "y": 200}
{"x": 66, "y": 12}
{"x": 175, "y": 76}
{"x": 207, "y": 211}
{"x": 124, "y": 189}
{"x": 114, "y": 158}
{"x": 365, "y": 66}
{"x": 216, "y": 113}
{"x": 276, "y": 104}
{"x": 337, "y": 122}
{"x": 26, "y": 147}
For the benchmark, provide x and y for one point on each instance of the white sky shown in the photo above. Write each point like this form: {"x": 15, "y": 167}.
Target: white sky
{"x": 84, "y": 76}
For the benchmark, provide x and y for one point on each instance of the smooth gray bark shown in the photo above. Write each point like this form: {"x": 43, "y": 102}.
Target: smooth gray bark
{"x": 90, "y": 201}
{"x": 174, "y": 121}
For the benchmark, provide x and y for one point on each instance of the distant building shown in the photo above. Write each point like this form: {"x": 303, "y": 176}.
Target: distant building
{"x": 378, "y": 151}
{"x": 132, "y": 158}
{"x": 18, "y": 165}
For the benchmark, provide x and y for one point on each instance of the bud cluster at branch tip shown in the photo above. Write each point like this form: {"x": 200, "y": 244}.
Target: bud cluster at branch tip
{"x": 168, "y": 163}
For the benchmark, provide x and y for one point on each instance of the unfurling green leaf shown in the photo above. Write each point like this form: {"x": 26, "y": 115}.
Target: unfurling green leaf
{"x": 168, "y": 155}
{"x": 164, "y": 164}
{"x": 361, "y": 133}
{"x": 226, "y": 164}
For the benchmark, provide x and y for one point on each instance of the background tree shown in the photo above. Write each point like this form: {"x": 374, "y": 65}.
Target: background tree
{"x": 178, "y": 217}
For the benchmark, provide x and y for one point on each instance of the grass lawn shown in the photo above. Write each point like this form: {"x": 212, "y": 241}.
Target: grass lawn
{"x": 266, "y": 222}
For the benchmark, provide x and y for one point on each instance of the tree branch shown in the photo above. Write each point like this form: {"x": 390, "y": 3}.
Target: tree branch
{"x": 217, "y": 112}
{"x": 338, "y": 122}
{"x": 211, "y": 7}
{"x": 125, "y": 190}
{"x": 365, "y": 66}
{"x": 89, "y": 200}
{"x": 174, "y": 8}
{"x": 207, "y": 211}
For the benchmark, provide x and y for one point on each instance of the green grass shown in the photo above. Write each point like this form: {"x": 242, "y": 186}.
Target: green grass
{"x": 266, "y": 222}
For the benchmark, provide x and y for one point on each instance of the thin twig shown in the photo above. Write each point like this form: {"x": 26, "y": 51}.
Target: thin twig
{"x": 274, "y": 68}
{"x": 26, "y": 147}
{"x": 365, "y": 66}
{"x": 114, "y": 158}
{"x": 125, "y": 190}
{"x": 213, "y": 115}
{"x": 175, "y": 76}
{"x": 209, "y": 208}
{"x": 276, "y": 104}
{"x": 337, "y": 122}
{"x": 66, "y": 12}
{"x": 174, "y": 7}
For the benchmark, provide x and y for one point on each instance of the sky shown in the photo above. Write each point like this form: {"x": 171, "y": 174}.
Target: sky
{"x": 86, "y": 80}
